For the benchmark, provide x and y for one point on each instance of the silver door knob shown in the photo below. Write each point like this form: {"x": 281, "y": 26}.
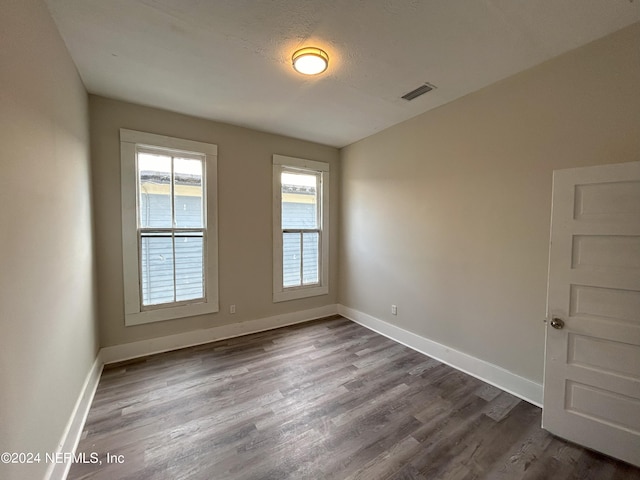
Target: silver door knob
{"x": 557, "y": 323}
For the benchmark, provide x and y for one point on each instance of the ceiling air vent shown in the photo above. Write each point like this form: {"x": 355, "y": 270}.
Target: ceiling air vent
{"x": 421, "y": 90}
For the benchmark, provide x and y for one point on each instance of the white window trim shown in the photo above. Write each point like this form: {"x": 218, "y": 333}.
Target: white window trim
{"x": 281, "y": 294}
{"x": 129, "y": 141}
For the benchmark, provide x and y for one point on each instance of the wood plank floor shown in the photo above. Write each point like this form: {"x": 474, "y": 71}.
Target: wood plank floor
{"x": 324, "y": 400}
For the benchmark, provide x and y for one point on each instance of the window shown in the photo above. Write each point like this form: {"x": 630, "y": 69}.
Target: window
{"x": 169, "y": 232}
{"x": 300, "y": 228}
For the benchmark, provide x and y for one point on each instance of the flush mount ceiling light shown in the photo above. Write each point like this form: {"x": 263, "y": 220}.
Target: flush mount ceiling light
{"x": 310, "y": 61}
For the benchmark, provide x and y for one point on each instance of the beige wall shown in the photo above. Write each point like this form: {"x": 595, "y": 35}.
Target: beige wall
{"x": 244, "y": 208}
{"x": 447, "y": 214}
{"x": 47, "y": 312}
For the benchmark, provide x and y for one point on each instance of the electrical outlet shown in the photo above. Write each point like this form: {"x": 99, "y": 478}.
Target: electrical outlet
{"x": 232, "y": 309}
{"x": 394, "y": 310}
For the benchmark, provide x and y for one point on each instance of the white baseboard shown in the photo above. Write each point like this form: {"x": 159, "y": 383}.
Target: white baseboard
{"x": 75, "y": 425}
{"x": 127, "y": 351}
{"x": 487, "y": 372}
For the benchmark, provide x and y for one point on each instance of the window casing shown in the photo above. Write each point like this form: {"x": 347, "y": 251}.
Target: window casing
{"x": 300, "y": 228}
{"x": 169, "y": 227}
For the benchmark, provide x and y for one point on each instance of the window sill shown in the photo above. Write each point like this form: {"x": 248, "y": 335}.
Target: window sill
{"x": 169, "y": 313}
{"x": 300, "y": 292}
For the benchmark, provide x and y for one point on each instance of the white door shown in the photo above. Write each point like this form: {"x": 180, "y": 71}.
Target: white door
{"x": 592, "y": 357}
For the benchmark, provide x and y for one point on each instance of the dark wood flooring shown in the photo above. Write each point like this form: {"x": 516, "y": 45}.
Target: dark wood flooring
{"x": 323, "y": 400}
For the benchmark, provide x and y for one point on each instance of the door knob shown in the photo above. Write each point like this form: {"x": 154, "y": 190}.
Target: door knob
{"x": 557, "y": 323}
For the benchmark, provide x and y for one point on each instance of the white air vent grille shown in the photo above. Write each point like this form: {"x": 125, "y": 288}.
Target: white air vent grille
{"x": 421, "y": 90}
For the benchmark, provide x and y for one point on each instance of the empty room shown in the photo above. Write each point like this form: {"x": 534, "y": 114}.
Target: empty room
{"x": 340, "y": 239}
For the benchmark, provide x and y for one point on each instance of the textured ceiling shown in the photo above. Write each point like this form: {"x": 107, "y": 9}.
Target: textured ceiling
{"x": 230, "y": 60}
